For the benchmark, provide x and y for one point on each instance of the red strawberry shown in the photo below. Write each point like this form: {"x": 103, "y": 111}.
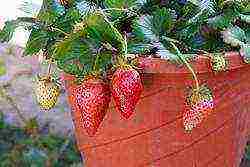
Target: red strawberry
{"x": 90, "y": 100}
{"x": 126, "y": 90}
{"x": 194, "y": 115}
{"x": 199, "y": 105}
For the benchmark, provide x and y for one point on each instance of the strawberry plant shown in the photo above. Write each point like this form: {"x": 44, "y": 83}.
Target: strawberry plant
{"x": 94, "y": 38}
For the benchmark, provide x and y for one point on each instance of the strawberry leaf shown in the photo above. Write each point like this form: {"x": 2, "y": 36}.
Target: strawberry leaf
{"x": 103, "y": 59}
{"x": 8, "y": 30}
{"x": 220, "y": 22}
{"x": 207, "y": 8}
{"x": 139, "y": 48}
{"x": 155, "y": 25}
{"x": 37, "y": 40}
{"x": 245, "y": 52}
{"x": 208, "y": 5}
{"x": 245, "y": 18}
{"x": 121, "y": 4}
{"x": 234, "y": 35}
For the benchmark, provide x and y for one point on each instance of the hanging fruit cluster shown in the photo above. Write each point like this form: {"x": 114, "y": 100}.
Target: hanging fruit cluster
{"x": 93, "y": 39}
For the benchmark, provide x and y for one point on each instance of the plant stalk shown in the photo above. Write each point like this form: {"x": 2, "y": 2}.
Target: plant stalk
{"x": 187, "y": 64}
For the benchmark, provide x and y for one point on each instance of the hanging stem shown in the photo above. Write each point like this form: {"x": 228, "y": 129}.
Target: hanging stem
{"x": 206, "y": 54}
{"x": 95, "y": 62}
{"x": 49, "y": 67}
{"x": 187, "y": 64}
{"x": 126, "y": 44}
{"x": 59, "y": 30}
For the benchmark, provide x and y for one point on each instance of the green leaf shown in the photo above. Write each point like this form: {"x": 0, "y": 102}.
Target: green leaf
{"x": 245, "y": 18}
{"x": 76, "y": 54}
{"x": 121, "y": 4}
{"x": 155, "y": 25}
{"x": 189, "y": 32}
{"x": 103, "y": 31}
{"x": 35, "y": 157}
{"x": 37, "y": 40}
{"x": 48, "y": 17}
{"x": 10, "y": 26}
{"x": 67, "y": 55}
{"x": 67, "y": 21}
{"x": 220, "y": 22}
{"x": 139, "y": 48}
{"x": 234, "y": 35}
{"x": 246, "y": 8}
{"x": 50, "y": 11}
{"x": 245, "y": 52}
{"x": 2, "y": 123}
{"x": 208, "y": 5}
{"x": 8, "y": 30}
{"x": 70, "y": 68}
{"x": 103, "y": 59}
{"x": 207, "y": 8}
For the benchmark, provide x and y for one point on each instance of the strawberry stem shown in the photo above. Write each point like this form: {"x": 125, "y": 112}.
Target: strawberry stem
{"x": 126, "y": 44}
{"x": 49, "y": 67}
{"x": 59, "y": 30}
{"x": 187, "y": 64}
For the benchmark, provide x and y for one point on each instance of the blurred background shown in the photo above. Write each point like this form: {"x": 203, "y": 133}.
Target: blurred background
{"x": 11, "y": 9}
{"x": 28, "y": 135}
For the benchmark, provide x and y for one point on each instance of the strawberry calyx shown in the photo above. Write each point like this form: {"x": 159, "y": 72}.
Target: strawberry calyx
{"x": 92, "y": 77}
{"x": 48, "y": 79}
{"x": 198, "y": 95}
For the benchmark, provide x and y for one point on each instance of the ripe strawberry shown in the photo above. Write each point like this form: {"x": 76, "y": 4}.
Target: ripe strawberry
{"x": 90, "y": 99}
{"x": 47, "y": 92}
{"x": 196, "y": 114}
{"x": 199, "y": 106}
{"x": 126, "y": 90}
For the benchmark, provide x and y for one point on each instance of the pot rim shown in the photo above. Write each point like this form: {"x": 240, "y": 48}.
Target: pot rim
{"x": 200, "y": 65}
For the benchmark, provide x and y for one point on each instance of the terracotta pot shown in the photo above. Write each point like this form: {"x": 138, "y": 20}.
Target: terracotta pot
{"x": 154, "y": 136}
